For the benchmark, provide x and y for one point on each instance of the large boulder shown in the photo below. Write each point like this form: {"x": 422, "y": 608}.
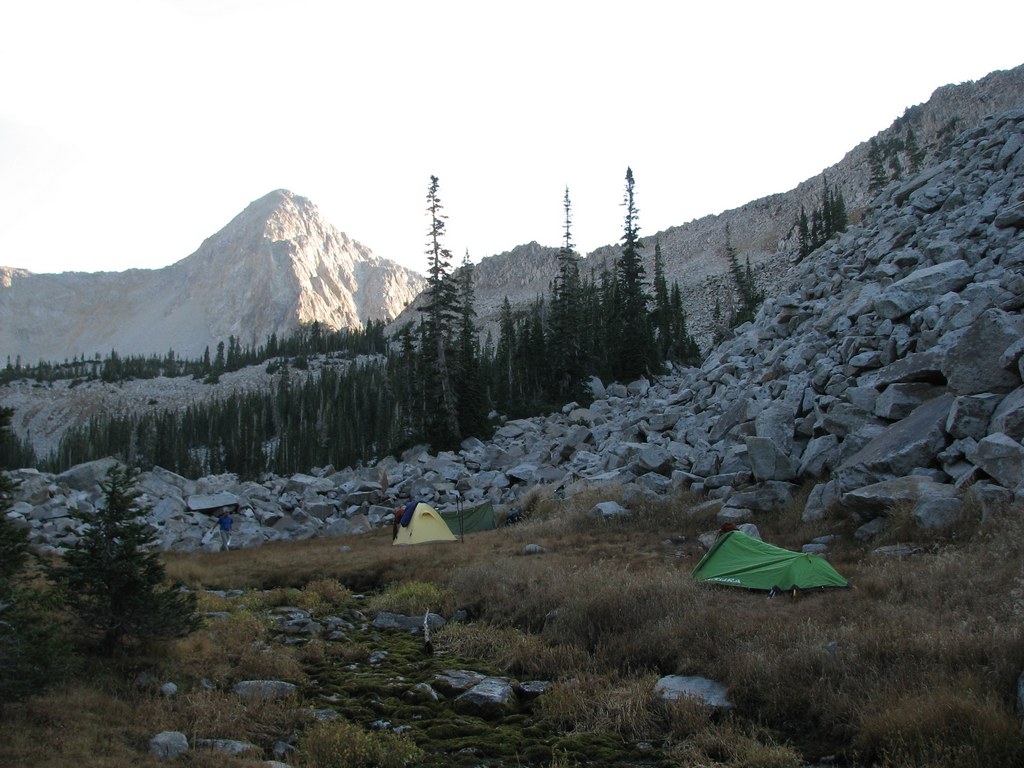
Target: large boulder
{"x": 694, "y": 688}
{"x": 972, "y": 364}
{"x": 908, "y": 444}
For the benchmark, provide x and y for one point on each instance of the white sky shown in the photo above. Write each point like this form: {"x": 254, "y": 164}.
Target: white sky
{"x": 131, "y": 130}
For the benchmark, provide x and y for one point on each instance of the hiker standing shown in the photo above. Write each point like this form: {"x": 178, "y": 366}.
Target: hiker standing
{"x": 224, "y": 523}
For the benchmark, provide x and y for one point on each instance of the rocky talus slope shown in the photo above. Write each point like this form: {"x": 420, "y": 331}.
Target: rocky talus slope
{"x": 762, "y": 230}
{"x": 888, "y": 371}
{"x": 276, "y": 265}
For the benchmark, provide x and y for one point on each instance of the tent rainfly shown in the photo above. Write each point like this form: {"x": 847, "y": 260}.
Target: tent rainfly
{"x": 421, "y": 523}
{"x": 473, "y": 520}
{"x": 739, "y": 560}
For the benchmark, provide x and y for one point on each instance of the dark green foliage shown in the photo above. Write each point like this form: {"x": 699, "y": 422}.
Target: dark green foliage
{"x": 748, "y": 296}
{"x": 112, "y": 579}
{"x": 876, "y": 163}
{"x": 827, "y": 220}
{"x": 889, "y": 158}
{"x": 632, "y": 342}
{"x": 564, "y": 320}
{"x": 675, "y": 344}
{"x": 432, "y": 382}
{"x": 441, "y": 312}
{"x": 469, "y": 390}
{"x": 32, "y": 651}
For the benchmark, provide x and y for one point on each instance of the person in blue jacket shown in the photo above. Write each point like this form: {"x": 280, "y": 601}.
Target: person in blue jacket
{"x": 224, "y": 522}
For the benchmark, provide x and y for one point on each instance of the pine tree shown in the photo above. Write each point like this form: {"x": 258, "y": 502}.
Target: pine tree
{"x": 684, "y": 349}
{"x": 440, "y": 312}
{"x": 876, "y": 165}
{"x": 114, "y": 581}
{"x": 915, "y": 154}
{"x": 662, "y": 315}
{"x": 469, "y": 392}
{"x": 564, "y": 319}
{"x": 803, "y": 233}
{"x": 33, "y": 653}
{"x": 635, "y": 345}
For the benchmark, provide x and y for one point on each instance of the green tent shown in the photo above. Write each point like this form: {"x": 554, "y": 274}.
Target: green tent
{"x": 739, "y": 560}
{"x": 479, "y": 518}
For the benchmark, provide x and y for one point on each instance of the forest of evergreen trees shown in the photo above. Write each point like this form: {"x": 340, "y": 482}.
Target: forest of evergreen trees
{"x": 435, "y": 381}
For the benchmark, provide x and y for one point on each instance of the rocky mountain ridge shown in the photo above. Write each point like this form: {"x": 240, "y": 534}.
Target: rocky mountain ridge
{"x": 887, "y": 375}
{"x": 276, "y": 265}
{"x": 762, "y": 230}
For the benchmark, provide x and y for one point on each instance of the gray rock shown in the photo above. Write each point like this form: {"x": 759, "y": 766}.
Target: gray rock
{"x": 938, "y": 512}
{"x": 1002, "y": 459}
{"x": 265, "y": 689}
{"x": 411, "y": 624}
{"x": 607, "y": 509}
{"x": 207, "y": 502}
{"x": 820, "y": 500}
{"x": 168, "y": 745}
{"x": 992, "y": 500}
{"x": 228, "y": 746}
{"x": 905, "y": 445}
{"x": 455, "y": 681}
{"x": 709, "y": 692}
{"x": 879, "y": 498}
{"x": 899, "y": 400}
{"x": 88, "y": 476}
{"x": 767, "y": 461}
{"x": 491, "y": 698}
{"x": 970, "y": 415}
{"x": 971, "y": 365}
{"x": 1008, "y": 416}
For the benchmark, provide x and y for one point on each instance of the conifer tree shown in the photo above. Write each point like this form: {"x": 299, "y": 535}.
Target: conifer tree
{"x": 915, "y": 154}
{"x": 684, "y": 347}
{"x": 440, "y": 312}
{"x": 662, "y": 315}
{"x": 564, "y": 319}
{"x": 114, "y": 581}
{"x": 32, "y": 648}
{"x": 469, "y": 391}
{"x": 634, "y": 346}
{"x": 876, "y": 166}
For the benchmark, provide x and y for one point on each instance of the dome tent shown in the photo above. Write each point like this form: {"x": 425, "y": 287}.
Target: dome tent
{"x": 739, "y": 560}
{"x": 420, "y": 524}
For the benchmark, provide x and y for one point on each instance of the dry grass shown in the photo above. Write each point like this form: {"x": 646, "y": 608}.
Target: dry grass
{"x": 413, "y": 598}
{"x": 517, "y": 653}
{"x": 625, "y": 706}
{"x": 916, "y": 666}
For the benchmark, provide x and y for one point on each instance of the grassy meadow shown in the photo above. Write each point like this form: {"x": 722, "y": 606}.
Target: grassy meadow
{"x": 917, "y": 665}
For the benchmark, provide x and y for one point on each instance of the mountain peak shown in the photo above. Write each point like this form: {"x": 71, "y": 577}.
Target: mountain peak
{"x": 276, "y": 265}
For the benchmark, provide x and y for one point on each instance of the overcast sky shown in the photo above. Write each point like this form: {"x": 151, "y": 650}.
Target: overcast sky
{"x": 131, "y": 130}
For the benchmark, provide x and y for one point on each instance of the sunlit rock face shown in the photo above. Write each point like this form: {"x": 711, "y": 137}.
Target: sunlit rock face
{"x": 276, "y": 265}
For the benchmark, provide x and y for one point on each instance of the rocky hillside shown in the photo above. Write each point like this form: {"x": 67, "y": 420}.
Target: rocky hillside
{"x": 275, "y": 265}
{"x": 888, "y": 374}
{"x": 762, "y": 230}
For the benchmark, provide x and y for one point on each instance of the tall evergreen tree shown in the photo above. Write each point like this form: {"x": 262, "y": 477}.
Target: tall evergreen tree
{"x": 564, "y": 318}
{"x": 32, "y": 649}
{"x": 876, "y": 167}
{"x": 441, "y": 313}
{"x": 662, "y": 316}
{"x": 469, "y": 390}
{"x": 634, "y": 347}
{"x": 915, "y": 154}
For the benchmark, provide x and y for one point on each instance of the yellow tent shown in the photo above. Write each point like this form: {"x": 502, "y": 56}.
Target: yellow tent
{"x": 422, "y": 523}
